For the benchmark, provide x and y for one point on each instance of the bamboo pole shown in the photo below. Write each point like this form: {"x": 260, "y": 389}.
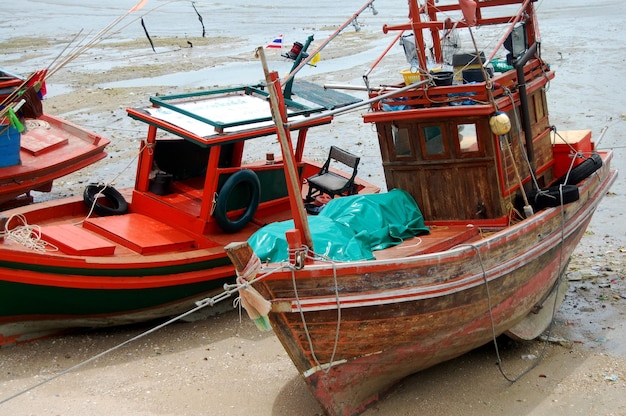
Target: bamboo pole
{"x": 279, "y": 116}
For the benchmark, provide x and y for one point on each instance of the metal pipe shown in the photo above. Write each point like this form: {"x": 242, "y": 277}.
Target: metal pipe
{"x": 359, "y": 104}
{"x": 523, "y": 99}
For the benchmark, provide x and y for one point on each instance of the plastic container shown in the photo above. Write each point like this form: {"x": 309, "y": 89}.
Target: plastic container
{"x": 9, "y": 145}
{"x": 160, "y": 184}
{"x": 410, "y": 77}
{"x": 473, "y": 75}
{"x": 463, "y": 61}
{"x": 565, "y": 145}
{"x": 443, "y": 78}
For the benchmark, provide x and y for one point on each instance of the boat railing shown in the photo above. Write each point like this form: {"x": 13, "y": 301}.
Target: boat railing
{"x": 500, "y": 87}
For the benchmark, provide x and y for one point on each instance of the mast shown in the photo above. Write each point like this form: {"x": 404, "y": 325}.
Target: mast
{"x": 279, "y": 115}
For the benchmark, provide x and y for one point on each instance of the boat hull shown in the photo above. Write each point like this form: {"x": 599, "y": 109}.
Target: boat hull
{"x": 45, "y": 302}
{"x": 354, "y": 330}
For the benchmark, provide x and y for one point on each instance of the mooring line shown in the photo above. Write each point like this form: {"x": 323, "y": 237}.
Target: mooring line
{"x": 228, "y": 291}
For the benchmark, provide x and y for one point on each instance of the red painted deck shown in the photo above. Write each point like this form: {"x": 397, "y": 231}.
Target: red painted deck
{"x": 140, "y": 233}
{"x": 75, "y": 240}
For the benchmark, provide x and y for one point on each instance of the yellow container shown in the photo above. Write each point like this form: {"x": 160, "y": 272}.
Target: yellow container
{"x": 410, "y": 77}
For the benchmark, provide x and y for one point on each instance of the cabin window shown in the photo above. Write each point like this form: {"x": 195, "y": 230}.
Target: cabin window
{"x": 468, "y": 137}
{"x": 401, "y": 141}
{"x": 434, "y": 140}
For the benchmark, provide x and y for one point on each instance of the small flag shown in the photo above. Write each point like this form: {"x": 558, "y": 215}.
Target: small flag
{"x": 316, "y": 58}
{"x": 277, "y": 43}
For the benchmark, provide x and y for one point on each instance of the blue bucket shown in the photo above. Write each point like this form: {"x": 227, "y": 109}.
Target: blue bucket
{"x": 9, "y": 145}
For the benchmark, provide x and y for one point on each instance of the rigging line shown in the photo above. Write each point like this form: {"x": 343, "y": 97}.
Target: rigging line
{"x": 332, "y": 357}
{"x": 493, "y": 327}
{"x": 304, "y": 324}
{"x": 229, "y": 289}
{"x": 307, "y": 59}
{"x": 106, "y": 33}
{"x": 104, "y": 185}
{"x": 103, "y": 353}
{"x": 519, "y": 138}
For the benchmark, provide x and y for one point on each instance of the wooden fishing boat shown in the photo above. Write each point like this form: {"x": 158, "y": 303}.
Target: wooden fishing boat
{"x": 115, "y": 257}
{"x": 505, "y": 199}
{"x": 47, "y": 149}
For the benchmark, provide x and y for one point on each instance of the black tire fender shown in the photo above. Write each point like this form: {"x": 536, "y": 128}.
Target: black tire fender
{"x": 244, "y": 177}
{"x": 582, "y": 171}
{"x": 115, "y": 202}
{"x": 551, "y": 197}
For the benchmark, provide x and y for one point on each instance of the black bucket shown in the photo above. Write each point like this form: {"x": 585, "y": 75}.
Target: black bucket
{"x": 443, "y": 78}
{"x": 476, "y": 75}
{"x": 160, "y": 184}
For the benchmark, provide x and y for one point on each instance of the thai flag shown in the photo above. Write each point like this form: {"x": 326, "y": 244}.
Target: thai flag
{"x": 277, "y": 43}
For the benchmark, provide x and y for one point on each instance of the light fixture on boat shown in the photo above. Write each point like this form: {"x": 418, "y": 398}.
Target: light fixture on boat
{"x": 516, "y": 43}
{"x": 296, "y": 49}
{"x": 356, "y": 25}
{"x": 500, "y": 123}
{"x": 374, "y": 11}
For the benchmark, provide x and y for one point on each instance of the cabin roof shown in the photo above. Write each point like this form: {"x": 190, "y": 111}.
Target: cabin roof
{"x": 216, "y": 117}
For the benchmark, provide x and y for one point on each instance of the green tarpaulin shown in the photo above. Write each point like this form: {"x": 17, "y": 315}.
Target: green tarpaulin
{"x": 349, "y": 228}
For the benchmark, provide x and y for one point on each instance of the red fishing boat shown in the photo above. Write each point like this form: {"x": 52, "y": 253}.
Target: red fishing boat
{"x": 37, "y": 148}
{"x": 488, "y": 201}
{"x": 113, "y": 257}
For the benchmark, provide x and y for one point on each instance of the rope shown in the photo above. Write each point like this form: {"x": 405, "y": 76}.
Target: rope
{"x": 302, "y": 318}
{"x": 104, "y": 185}
{"x": 554, "y": 305}
{"x": 26, "y": 234}
{"x": 519, "y": 138}
{"x": 229, "y": 289}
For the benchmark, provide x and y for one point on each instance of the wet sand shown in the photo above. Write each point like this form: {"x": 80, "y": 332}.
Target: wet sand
{"x": 221, "y": 365}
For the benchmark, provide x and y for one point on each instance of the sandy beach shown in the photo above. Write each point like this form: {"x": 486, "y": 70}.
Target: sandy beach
{"x": 221, "y": 364}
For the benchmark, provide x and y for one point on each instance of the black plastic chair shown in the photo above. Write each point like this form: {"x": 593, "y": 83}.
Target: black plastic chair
{"x": 330, "y": 183}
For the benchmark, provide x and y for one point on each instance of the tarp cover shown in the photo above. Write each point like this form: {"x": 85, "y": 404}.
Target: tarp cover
{"x": 349, "y": 228}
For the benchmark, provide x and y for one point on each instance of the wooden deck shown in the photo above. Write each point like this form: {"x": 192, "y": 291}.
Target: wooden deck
{"x": 441, "y": 238}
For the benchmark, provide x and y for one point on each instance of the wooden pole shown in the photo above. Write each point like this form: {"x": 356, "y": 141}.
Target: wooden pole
{"x": 279, "y": 115}
{"x": 239, "y": 254}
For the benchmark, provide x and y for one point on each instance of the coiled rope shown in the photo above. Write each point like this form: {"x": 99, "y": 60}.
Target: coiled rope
{"x": 28, "y": 235}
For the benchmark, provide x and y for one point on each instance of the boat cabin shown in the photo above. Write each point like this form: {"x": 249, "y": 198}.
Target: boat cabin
{"x": 436, "y": 139}
{"x": 191, "y": 171}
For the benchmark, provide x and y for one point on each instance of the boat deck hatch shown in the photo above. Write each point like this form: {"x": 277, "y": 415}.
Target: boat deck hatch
{"x": 140, "y": 233}
{"x": 77, "y": 241}
{"x": 39, "y": 140}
